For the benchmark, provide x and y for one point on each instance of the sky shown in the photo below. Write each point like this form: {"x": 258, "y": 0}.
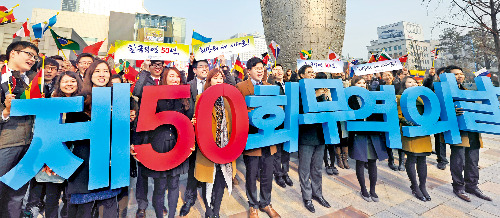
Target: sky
{"x": 221, "y": 19}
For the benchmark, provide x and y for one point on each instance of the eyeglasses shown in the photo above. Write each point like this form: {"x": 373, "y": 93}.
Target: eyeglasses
{"x": 157, "y": 65}
{"x": 85, "y": 63}
{"x": 31, "y": 55}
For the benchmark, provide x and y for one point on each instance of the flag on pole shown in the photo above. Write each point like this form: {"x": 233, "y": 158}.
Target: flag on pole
{"x": 93, "y": 49}
{"x": 238, "y": 66}
{"x": 384, "y": 56}
{"x": 6, "y": 15}
{"x": 332, "y": 56}
{"x": 23, "y": 32}
{"x": 435, "y": 53}
{"x": 404, "y": 58}
{"x": 63, "y": 43}
{"x": 417, "y": 74}
{"x": 8, "y": 19}
{"x": 275, "y": 49}
{"x": 305, "y": 55}
{"x": 265, "y": 58}
{"x": 40, "y": 28}
{"x": 373, "y": 58}
{"x": 199, "y": 39}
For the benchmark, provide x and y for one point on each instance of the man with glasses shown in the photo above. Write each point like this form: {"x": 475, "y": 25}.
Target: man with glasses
{"x": 15, "y": 132}
{"x": 51, "y": 71}
{"x": 200, "y": 69}
{"x": 146, "y": 78}
{"x": 260, "y": 159}
{"x": 83, "y": 62}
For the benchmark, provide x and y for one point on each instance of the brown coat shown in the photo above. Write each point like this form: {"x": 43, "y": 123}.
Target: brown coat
{"x": 246, "y": 88}
{"x": 466, "y": 136}
{"x": 421, "y": 144}
{"x": 204, "y": 168}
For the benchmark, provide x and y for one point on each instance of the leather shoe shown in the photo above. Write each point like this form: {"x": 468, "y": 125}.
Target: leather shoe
{"x": 478, "y": 193}
{"x": 279, "y": 180}
{"x": 392, "y": 166}
{"x": 270, "y": 211}
{"x": 441, "y": 166}
{"x": 462, "y": 195}
{"x": 288, "y": 181}
{"x": 141, "y": 213}
{"x": 253, "y": 213}
{"x": 185, "y": 209}
{"x": 309, "y": 206}
{"x": 321, "y": 200}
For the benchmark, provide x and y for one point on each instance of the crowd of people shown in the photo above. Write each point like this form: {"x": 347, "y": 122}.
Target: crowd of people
{"x": 64, "y": 78}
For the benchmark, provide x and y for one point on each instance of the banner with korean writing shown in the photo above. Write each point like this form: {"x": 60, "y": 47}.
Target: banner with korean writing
{"x": 326, "y": 66}
{"x": 226, "y": 47}
{"x": 377, "y": 67}
{"x": 134, "y": 50}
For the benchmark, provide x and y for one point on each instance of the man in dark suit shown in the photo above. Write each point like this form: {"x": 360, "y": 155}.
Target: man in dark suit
{"x": 83, "y": 62}
{"x": 146, "y": 78}
{"x": 282, "y": 157}
{"x": 311, "y": 153}
{"x": 15, "y": 132}
{"x": 51, "y": 71}
{"x": 260, "y": 159}
{"x": 200, "y": 69}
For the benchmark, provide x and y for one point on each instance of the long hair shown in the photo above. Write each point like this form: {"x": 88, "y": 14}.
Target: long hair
{"x": 214, "y": 72}
{"x": 87, "y": 81}
{"x": 356, "y": 79}
{"x": 403, "y": 84}
{"x": 185, "y": 101}
{"x": 57, "y": 88}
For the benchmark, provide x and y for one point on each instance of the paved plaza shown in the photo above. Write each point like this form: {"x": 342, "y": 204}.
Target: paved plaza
{"x": 342, "y": 192}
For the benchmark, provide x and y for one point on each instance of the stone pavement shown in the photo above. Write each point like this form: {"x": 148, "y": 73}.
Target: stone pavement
{"x": 342, "y": 192}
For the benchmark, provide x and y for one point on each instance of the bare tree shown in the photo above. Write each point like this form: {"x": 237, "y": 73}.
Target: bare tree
{"x": 473, "y": 14}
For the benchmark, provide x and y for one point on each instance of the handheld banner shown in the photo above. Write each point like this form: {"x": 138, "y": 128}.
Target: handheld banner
{"x": 326, "y": 66}
{"x": 134, "y": 50}
{"x": 239, "y": 124}
{"x": 226, "y": 47}
{"x": 377, "y": 67}
{"x": 150, "y": 120}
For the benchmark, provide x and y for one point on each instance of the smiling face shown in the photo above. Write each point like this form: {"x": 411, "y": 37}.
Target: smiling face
{"x": 308, "y": 74}
{"x": 156, "y": 68}
{"x": 101, "y": 75}
{"x": 201, "y": 70}
{"x": 173, "y": 78}
{"x": 459, "y": 75}
{"x": 410, "y": 82}
{"x": 257, "y": 72}
{"x": 387, "y": 77}
{"x": 278, "y": 73}
{"x": 361, "y": 83}
{"x": 22, "y": 60}
{"x": 217, "y": 79}
{"x": 68, "y": 85}
{"x": 84, "y": 64}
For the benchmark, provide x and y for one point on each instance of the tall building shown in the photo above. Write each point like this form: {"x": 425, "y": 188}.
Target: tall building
{"x": 260, "y": 46}
{"x": 403, "y": 38}
{"x": 104, "y": 7}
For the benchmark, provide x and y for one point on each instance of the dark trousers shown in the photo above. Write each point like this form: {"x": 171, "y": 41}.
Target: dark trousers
{"x": 86, "y": 210}
{"x": 464, "y": 159}
{"x": 310, "y": 165}
{"x": 440, "y": 148}
{"x": 329, "y": 150}
{"x": 52, "y": 192}
{"x": 281, "y": 161}
{"x": 391, "y": 154}
{"x": 213, "y": 209}
{"x": 266, "y": 178}
{"x": 170, "y": 183}
{"x": 192, "y": 184}
{"x": 11, "y": 200}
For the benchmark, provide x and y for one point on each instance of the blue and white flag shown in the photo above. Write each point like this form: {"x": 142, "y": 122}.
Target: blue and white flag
{"x": 40, "y": 28}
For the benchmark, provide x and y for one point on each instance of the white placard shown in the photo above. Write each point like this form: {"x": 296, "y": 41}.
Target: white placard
{"x": 377, "y": 67}
{"x": 326, "y": 66}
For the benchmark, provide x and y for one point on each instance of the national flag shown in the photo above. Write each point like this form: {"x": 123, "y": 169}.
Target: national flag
{"x": 8, "y": 19}
{"x": 305, "y": 55}
{"x": 417, "y": 74}
{"x": 275, "y": 49}
{"x": 131, "y": 74}
{"x": 238, "y": 66}
{"x": 332, "y": 56}
{"x": 63, "y": 43}
{"x": 23, "y": 32}
{"x": 35, "y": 88}
{"x": 40, "y": 28}
{"x": 435, "y": 53}
{"x": 350, "y": 64}
{"x": 265, "y": 58}
{"x": 483, "y": 72}
{"x": 111, "y": 54}
{"x": 123, "y": 66}
{"x": 373, "y": 58}
{"x": 404, "y": 58}
{"x": 199, "y": 39}
{"x": 384, "y": 56}
{"x": 93, "y": 49}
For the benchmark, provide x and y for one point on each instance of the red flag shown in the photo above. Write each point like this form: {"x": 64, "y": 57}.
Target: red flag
{"x": 138, "y": 63}
{"x": 403, "y": 58}
{"x": 131, "y": 74}
{"x": 36, "y": 86}
{"x": 93, "y": 49}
